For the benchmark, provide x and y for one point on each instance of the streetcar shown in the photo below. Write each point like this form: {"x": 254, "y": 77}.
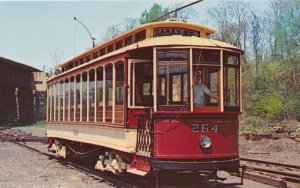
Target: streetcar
{"x": 133, "y": 102}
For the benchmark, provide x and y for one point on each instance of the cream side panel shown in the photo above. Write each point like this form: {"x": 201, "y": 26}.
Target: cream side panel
{"x": 116, "y": 138}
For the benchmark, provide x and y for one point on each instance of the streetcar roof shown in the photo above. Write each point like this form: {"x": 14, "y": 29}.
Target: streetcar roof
{"x": 151, "y": 40}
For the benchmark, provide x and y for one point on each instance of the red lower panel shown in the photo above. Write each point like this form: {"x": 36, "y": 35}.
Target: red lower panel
{"x": 180, "y": 139}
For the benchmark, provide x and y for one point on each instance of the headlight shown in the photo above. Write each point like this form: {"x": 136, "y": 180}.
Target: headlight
{"x": 205, "y": 142}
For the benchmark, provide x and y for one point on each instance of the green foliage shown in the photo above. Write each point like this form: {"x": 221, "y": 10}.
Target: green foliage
{"x": 269, "y": 106}
{"x": 253, "y": 124}
{"x": 272, "y": 91}
{"x": 37, "y": 124}
{"x": 155, "y": 11}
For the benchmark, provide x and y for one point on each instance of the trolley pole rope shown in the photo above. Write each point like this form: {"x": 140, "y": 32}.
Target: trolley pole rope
{"x": 190, "y": 4}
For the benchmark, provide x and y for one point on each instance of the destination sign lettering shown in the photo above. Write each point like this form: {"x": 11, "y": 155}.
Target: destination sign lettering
{"x": 168, "y": 31}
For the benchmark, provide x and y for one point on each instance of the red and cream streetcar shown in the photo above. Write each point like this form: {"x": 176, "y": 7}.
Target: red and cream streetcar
{"x": 135, "y": 103}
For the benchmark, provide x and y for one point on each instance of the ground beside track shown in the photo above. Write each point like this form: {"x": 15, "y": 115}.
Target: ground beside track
{"x": 22, "y": 168}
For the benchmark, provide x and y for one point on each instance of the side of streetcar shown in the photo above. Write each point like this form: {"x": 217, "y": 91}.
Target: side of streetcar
{"x": 138, "y": 104}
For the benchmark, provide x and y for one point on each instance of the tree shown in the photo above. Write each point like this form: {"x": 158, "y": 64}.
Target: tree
{"x": 57, "y": 57}
{"x": 155, "y": 11}
{"x": 130, "y": 23}
{"x": 112, "y": 31}
{"x": 256, "y": 35}
{"x": 231, "y": 19}
{"x": 185, "y": 14}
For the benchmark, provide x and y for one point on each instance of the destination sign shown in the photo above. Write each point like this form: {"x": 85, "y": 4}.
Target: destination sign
{"x": 168, "y": 31}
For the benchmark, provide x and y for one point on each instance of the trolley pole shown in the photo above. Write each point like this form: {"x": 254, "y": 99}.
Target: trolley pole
{"x": 92, "y": 38}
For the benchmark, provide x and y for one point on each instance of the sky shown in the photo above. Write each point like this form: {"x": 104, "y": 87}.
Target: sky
{"x": 38, "y": 33}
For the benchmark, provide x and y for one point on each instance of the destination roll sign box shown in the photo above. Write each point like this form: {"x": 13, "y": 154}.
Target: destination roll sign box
{"x": 168, "y": 31}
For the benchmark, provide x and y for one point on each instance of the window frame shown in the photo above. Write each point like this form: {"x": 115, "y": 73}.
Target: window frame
{"x": 237, "y": 67}
{"x": 209, "y": 66}
{"x": 155, "y": 78}
{"x": 132, "y": 82}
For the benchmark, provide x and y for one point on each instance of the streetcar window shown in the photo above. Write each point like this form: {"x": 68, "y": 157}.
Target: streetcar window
{"x": 95, "y": 55}
{"x": 99, "y": 94}
{"x": 128, "y": 40}
{"x": 143, "y": 84}
{"x": 119, "y": 44}
{"x": 56, "y": 102}
{"x": 119, "y": 97}
{"x": 173, "y": 79}
{"x": 102, "y": 51}
{"x": 61, "y": 101}
{"x": 84, "y": 96}
{"x": 108, "y": 92}
{"x": 110, "y": 48}
{"x": 77, "y": 95}
{"x": 140, "y": 36}
{"x": 52, "y": 101}
{"x": 231, "y": 81}
{"x": 87, "y": 58}
{"x": 72, "y": 102}
{"x": 91, "y": 97}
{"x": 206, "y": 73}
{"x": 66, "y": 110}
{"x": 48, "y": 103}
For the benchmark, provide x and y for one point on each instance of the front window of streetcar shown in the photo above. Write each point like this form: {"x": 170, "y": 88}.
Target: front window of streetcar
{"x": 173, "y": 81}
{"x": 206, "y": 79}
{"x": 177, "y": 72}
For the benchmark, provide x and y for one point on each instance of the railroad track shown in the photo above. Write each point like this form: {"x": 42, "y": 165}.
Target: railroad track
{"x": 20, "y": 139}
{"x": 272, "y": 173}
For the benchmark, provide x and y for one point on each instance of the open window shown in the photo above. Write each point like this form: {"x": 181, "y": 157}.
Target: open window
{"x": 142, "y": 82}
{"x": 231, "y": 81}
{"x": 119, "y": 93}
{"x": 108, "y": 92}
{"x": 172, "y": 79}
{"x": 77, "y": 97}
{"x": 91, "y": 97}
{"x": 206, "y": 80}
{"x": 99, "y": 96}
{"x": 84, "y": 97}
{"x": 67, "y": 97}
{"x": 72, "y": 96}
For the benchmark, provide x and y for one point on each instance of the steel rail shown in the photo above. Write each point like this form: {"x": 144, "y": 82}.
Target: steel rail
{"x": 95, "y": 174}
{"x": 273, "y": 168}
{"x": 270, "y": 163}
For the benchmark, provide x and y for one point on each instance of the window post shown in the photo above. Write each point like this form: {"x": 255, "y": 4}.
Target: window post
{"x": 54, "y": 93}
{"x": 74, "y": 105}
{"x": 69, "y": 99}
{"x": 104, "y": 93}
{"x": 95, "y": 95}
{"x": 191, "y": 80}
{"x": 221, "y": 82}
{"x": 80, "y": 98}
{"x": 88, "y": 96}
{"x": 114, "y": 92}
{"x": 64, "y": 95}
{"x": 155, "y": 79}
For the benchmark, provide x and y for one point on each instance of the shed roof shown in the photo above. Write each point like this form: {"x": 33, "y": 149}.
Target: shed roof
{"x": 19, "y": 65}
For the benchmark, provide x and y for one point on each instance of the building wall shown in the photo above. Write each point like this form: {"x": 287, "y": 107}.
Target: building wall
{"x": 39, "y": 86}
{"x": 17, "y": 93}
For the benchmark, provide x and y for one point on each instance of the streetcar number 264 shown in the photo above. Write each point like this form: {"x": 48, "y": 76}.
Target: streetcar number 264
{"x": 204, "y": 128}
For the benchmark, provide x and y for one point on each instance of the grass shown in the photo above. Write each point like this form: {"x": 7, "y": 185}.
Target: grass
{"x": 38, "y": 124}
{"x": 253, "y": 124}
